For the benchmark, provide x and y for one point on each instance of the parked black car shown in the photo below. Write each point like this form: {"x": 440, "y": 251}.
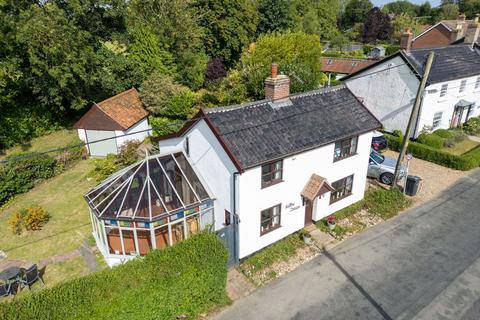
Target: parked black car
{"x": 379, "y": 142}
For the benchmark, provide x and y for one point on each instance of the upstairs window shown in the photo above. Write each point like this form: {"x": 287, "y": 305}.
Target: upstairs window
{"x": 343, "y": 188}
{"x": 443, "y": 90}
{"x": 345, "y": 148}
{"x": 437, "y": 119}
{"x": 270, "y": 219}
{"x": 463, "y": 84}
{"x": 477, "y": 83}
{"x": 272, "y": 173}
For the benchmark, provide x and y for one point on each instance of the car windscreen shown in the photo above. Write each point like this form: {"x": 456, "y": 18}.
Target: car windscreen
{"x": 378, "y": 158}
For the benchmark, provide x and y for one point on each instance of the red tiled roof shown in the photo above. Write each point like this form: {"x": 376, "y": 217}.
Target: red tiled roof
{"x": 344, "y": 65}
{"x": 119, "y": 112}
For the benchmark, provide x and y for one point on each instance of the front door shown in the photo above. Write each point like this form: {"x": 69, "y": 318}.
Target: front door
{"x": 308, "y": 212}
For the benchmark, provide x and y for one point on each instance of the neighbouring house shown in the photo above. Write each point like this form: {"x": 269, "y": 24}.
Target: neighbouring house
{"x": 337, "y": 68}
{"x": 114, "y": 121}
{"x": 276, "y": 165}
{"x": 446, "y": 32}
{"x": 154, "y": 203}
{"x": 452, "y": 95}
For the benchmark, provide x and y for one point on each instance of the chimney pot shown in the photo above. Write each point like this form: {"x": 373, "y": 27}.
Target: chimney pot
{"x": 472, "y": 35}
{"x": 273, "y": 70}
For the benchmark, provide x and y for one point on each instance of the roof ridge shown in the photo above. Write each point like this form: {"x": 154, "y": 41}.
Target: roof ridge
{"x": 265, "y": 101}
{"x": 346, "y": 58}
{"x": 117, "y": 95}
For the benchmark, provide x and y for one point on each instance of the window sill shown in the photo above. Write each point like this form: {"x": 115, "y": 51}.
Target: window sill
{"x": 344, "y": 157}
{"x": 271, "y": 184}
{"x": 270, "y": 230}
{"x": 338, "y": 199}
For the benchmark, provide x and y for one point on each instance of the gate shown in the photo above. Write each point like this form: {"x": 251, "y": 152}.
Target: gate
{"x": 228, "y": 237}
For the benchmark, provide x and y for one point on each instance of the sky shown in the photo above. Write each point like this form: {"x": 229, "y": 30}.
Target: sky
{"x": 379, "y": 3}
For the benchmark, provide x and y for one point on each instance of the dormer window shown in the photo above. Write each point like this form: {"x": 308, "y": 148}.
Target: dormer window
{"x": 354, "y": 64}
{"x": 477, "y": 83}
{"x": 329, "y": 61}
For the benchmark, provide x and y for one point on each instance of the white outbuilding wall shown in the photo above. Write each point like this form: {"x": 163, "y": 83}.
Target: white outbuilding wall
{"x": 139, "y": 127}
{"x": 388, "y": 94}
{"x": 296, "y": 172}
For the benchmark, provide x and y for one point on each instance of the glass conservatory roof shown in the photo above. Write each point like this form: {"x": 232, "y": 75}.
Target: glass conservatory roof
{"x": 148, "y": 190}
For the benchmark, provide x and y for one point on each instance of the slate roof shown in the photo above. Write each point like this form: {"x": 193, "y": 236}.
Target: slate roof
{"x": 261, "y": 132}
{"x": 119, "y": 112}
{"x": 344, "y": 65}
{"x": 451, "y": 62}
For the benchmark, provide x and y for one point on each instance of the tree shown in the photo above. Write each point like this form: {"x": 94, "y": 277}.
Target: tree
{"x": 425, "y": 9}
{"x": 355, "y": 12}
{"x": 215, "y": 71}
{"x": 401, "y": 23}
{"x": 401, "y": 6}
{"x": 318, "y": 17}
{"x": 176, "y": 25}
{"x": 339, "y": 42}
{"x": 229, "y": 26}
{"x": 449, "y": 11}
{"x": 469, "y": 7}
{"x": 297, "y": 55}
{"x": 164, "y": 97}
{"x": 376, "y": 26}
{"x": 275, "y": 15}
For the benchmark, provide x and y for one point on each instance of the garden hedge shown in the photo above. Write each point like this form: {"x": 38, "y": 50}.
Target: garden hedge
{"x": 464, "y": 162}
{"x": 182, "y": 281}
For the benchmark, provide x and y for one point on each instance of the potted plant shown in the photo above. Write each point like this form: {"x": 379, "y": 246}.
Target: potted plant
{"x": 332, "y": 222}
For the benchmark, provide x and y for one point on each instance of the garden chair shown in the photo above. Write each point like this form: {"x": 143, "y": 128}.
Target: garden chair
{"x": 4, "y": 290}
{"x": 31, "y": 275}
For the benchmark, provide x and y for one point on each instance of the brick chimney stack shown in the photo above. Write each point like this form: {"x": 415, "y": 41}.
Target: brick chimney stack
{"x": 473, "y": 32}
{"x": 277, "y": 86}
{"x": 406, "y": 40}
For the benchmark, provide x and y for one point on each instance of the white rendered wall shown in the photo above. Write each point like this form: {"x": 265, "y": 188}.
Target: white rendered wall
{"x": 296, "y": 172}
{"x": 140, "y": 126}
{"x": 82, "y": 135}
{"x": 433, "y": 103}
{"x": 388, "y": 94}
{"x": 212, "y": 164}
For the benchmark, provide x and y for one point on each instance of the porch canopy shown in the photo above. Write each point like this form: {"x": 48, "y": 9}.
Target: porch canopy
{"x": 149, "y": 190}
{"x": 315, "y": 186}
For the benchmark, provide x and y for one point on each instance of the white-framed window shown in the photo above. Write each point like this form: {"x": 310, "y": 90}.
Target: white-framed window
{"x": 463, "y": 84}
{"x": 477, "y": 83}
{"x": 437, "y": 119}
{"x": 443, "y": 90}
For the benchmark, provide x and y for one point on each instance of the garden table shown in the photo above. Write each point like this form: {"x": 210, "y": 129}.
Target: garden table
{"x": 10, "y": 274}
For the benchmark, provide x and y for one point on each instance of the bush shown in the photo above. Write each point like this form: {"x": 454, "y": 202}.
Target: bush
{"x": 182, "y": 281}
{"x": 32, "y": 218}
{"x": 162, "y": 126}
{"x": 128, "y": 153}
{"x": 472, "y": 126}
{"x": 104, "y": 167}
{"x": 16, "y": 222}
{"x": 20, "y": 175}
{"x": 431, "y": 140}
{"x": 386, "y": 203}
{"x": 397, "y": 133}
{"x": 463, "y": 162}
{"x": 444, "y": 133}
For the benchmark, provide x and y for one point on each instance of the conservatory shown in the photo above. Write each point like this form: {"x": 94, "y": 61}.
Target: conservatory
{"x": 151, "y": 204}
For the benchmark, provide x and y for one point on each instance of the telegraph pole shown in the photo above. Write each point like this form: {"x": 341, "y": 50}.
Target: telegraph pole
{"x": 413, "y": 116}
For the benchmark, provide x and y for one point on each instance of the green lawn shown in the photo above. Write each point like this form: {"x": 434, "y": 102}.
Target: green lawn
{"x": 57, "y": 139}
{"x": 462, "y": 147}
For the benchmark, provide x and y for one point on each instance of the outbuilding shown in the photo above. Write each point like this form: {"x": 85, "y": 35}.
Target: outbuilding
{"x": 113, "y": 122}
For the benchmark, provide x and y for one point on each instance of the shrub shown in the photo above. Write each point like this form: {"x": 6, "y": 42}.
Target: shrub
{"x": 463, "y": 162}
{"x": 431, "y": 140}
{"x": 444, "y": 133}
{"x": 16, "y": 222}
{"x": 397, "y": 133}
{"x": 215, "y": 70}
{"x": 128, "y": 153}
{"x": 386, "y": 203}
{"x": 162, "y": 126}
{"x": 104, "y": 167}
{"x": 182, "y": 281}
{"x": 35, "y": 218}
{"x": 472, "y": 126}
{"x": 20, "y": 175}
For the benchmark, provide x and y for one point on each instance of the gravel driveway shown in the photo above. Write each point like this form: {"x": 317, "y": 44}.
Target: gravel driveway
{"x": 435, "y": 178}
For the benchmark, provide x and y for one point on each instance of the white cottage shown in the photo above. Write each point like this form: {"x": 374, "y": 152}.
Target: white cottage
{"x": 452, "y": 95}
{"x": 113, "y": 122}
{"x": 274, "y": 166}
